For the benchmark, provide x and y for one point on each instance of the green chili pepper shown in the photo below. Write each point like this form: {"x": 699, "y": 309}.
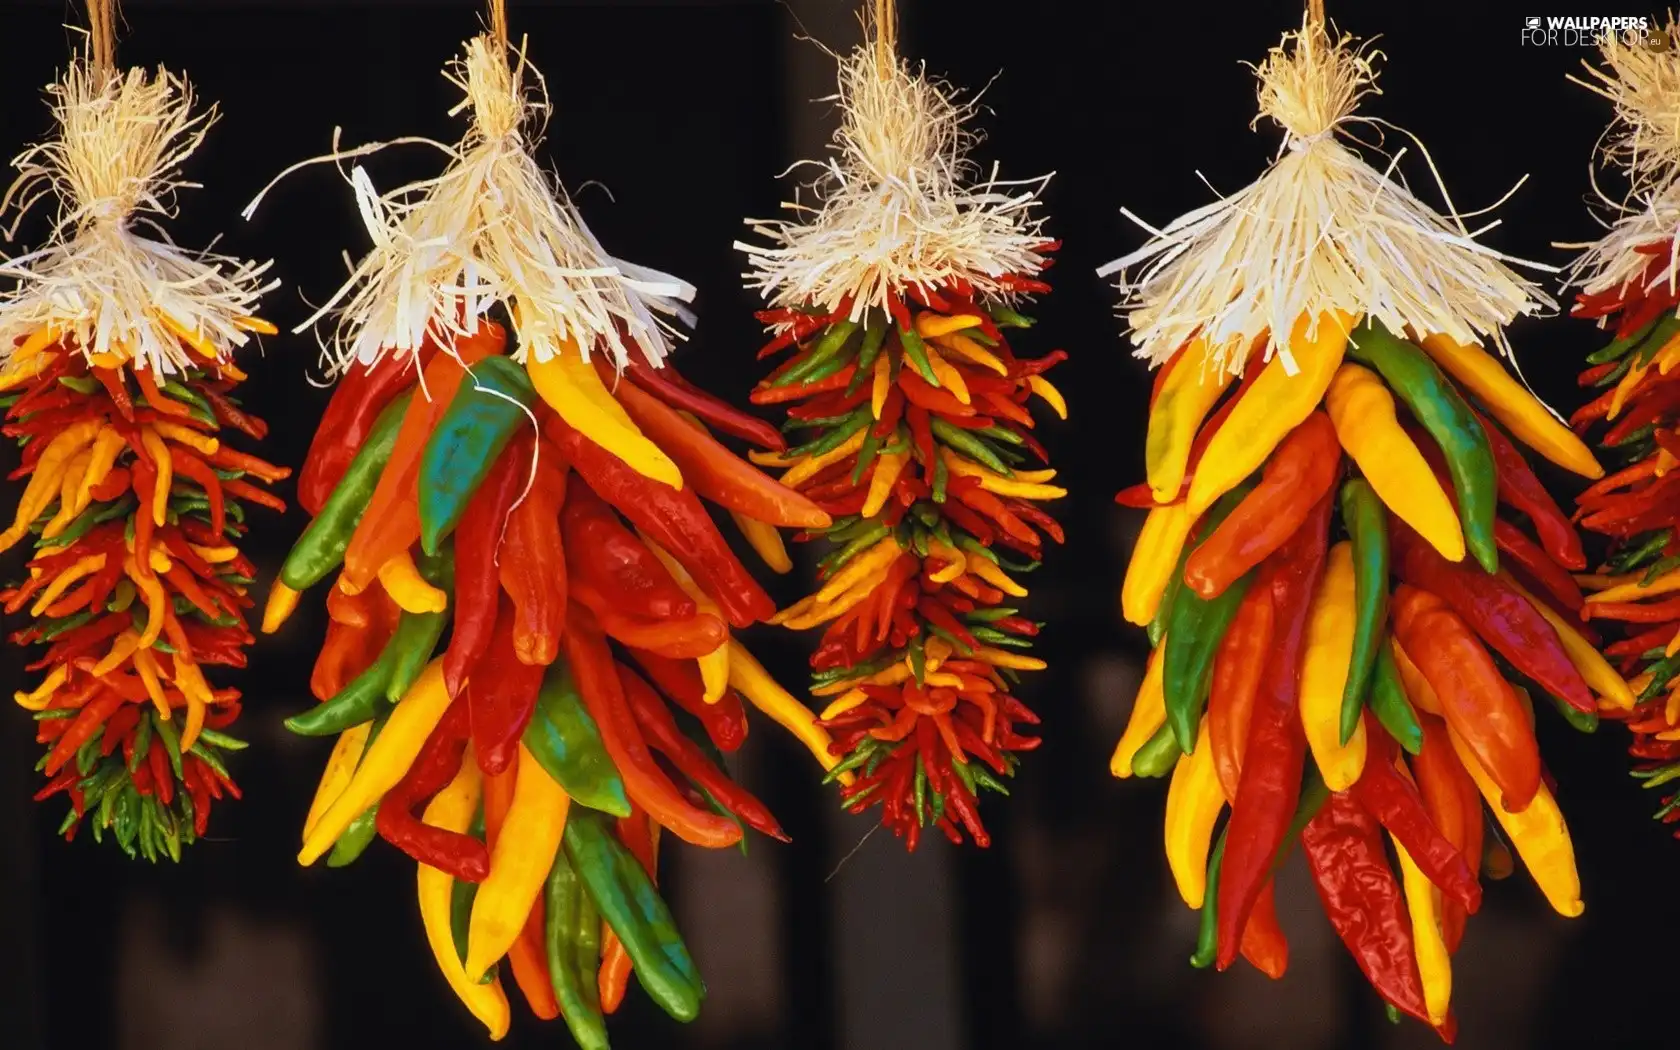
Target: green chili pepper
{"x": 1367, "y": 525}
{"x": 866, "y": 455}
{"x": 1615, "y": 375}
{"x": 80, "y": 384}
{"x": 1390, "y": 705}
{"x": 969, "y": 445}
{"x": 1004, "y": 317}
{"x": 417, "y": 633}
{"x": 1158, "y": 755}
{"x": 361, "y": 700}
{"x": 321, "y": 547}
{"x": 171, "y": 738}
{"x": 565, "y": 741}
{"x": 1207, "y": 934}
{"x": 1616, "y": 348}
{"x": 1580, "y": 721}
{"x": 1194, "y": 629}
{"x": 915, "y": 352}
{"x": 355, "y": 839}
{"x": 837, "y": 436}
{"x": 1418, "y": 381}
{"x": 627, "y": 899}
{"x": 51, "y": 629}
{"x": 573, "y": 938}
{"x": 469, "y": 438}
{"x": 1636, "y": 556}
{"x": 874, "y": 337}
{"x": 1664, "y": 330}
{"x": 827, "y": 351}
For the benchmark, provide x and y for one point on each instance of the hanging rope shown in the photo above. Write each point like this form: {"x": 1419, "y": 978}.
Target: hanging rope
{"x": 102, "y": 36}
{"x": 886, "y": 36}
{"x": 499, "y": 24}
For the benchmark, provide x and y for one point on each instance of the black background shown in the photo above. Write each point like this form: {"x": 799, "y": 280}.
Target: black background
{"x": 683, "y": 111}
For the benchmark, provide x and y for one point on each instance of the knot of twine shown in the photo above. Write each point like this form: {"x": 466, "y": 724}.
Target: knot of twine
{"x": 493, "y": 91}
{"x": 1310, "y": 84}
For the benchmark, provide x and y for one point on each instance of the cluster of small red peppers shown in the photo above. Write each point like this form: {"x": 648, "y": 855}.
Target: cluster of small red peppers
{"x": 918, "y": 440}
{"x": 134, "y": 506}
{"x": 1635, "y": 421}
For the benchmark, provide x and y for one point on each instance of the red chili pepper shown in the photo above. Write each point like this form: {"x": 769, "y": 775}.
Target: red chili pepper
{"x": 673, "y": 519}
{"x": 664, "y": 735}
{"x": 604, "y": 557}
{"x": 191, "y": 467}
{"x": 667, "y": 384}
{"x": 89, "y": 719}
{"x": 229, "y": 413}
{"x": 929, "y": 398}
{"x": 361, "y": 394}
{"x": 1263, "y": 943}
{"x": 774, "y": 395}
{"x": 250, "y": 493}
{"x": 1394, "y": 801}
{"x": 115, "y": 388}
{"x": 501, "y": 696}
{"x": 725, "y": 721}
{"x": 1296, "y": 477}
{"x": 1633, "y": 612}
{"x": 1455, "y": 807}
{"x": 715, "y": 472}
{"x": 1552, "y": 580}
{"x": 1270, "y": 783}
{"x": 532, "y": 562}
{"x": 1478, "y": 703}
{"x": 477, "y": 538}
{"x": 1502, "y": 618}
{"x": 1520, "y": 490}
{"x": 462, "y": 856}
{"x": 644, "y": 781}
{"x": 1344, "y": 849}
{"x": 686, "y": 639}
{"x": 1237, "y": 668}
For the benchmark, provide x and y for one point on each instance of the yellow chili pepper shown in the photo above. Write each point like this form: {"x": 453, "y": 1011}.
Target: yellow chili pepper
{"x": 880, "y": 385}
{"x": 68, "y": 485}
{"x": 282, "y": 602}
{"x": 969, "y": 350}
{"x": 1149, "y": 714}
{"x": 948, "y": 376}
{"x": 1187, "y": 394}
{"x": 811, "y": 611}
{"x": 106, "y": 448}
{"x": 37, "y": 341}
{"x": 1538, "y": 833}
{"x": 1510, "y": 402}
{"x": 1005, "y": 658}
{"x": 38, "y": 698}
{"x": 930, "y": 325}
{"x": 754, "y": 682}
{"x": 1362, "y": 410}
{"x": 122, "y": 647}
{"x": 888, "y": 467}
{"x": 203, "y": 444}
{"x": 807, "y": 467}
{"x": 851, "y": 698}
{"x": 1052, "y": 397}
{"x": 1429, "y": 945}
{"x": 216, "y": 555}
{"x": 165, "y": 464}
{"x": 1625, "y": 388}
{"x": 197, "y": 341}
{"x": 955, "y": 562}
{"x": 864, "y": 566}
{"x": 989, "y": 571}
{"x": 157, "y": 603}
{"x": 190, "y": 680}
{"x": 255, "y": 324}
{"x": 1276, "y": 404}
{"x": 346, "y": 752}
{"x": 1601, "y": 677}
{"x": 1024, "y": 485}
{"x": 403, "y": 582}
{"x": 146, "y": 666}
{"x": 519, "y": 864}
{"x": 1632, "y": 590}
{"x": 452, "y": 810}
{"x": 411, "y": 721}
{"x": 82, "y": 567}
{"x": 1154, "y": 558}
{"x": 1324, "y": 670}
{"x": 1194, "y": 801}
{"x": 766, "y": 541}
{"x": 49, "y": 473}
{"x": 16, "y": 372}
{"x": 571, "y": 387}
{"x": 714, "y": 666}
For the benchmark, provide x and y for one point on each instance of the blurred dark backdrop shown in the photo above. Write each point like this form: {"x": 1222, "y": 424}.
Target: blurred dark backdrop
{"x": 1067, "y": 932}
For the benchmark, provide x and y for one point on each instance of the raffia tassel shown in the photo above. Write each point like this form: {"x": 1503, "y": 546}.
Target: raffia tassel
{"x": 1644, "y": 141}
{"x": 1320, "y": 231}
{"x": 112, "y": 165}
{"x": 895, "y": 206}
{"x": 492, "y": 228}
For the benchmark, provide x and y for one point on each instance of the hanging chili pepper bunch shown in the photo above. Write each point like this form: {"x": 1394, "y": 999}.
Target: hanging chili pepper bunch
{"x": 915, "y": 436}
{"x": 117, "y": 359}
{"x": 535, "y": 490}
{"x": 1626, "y": 283}
{"x": 1352, "y": 580}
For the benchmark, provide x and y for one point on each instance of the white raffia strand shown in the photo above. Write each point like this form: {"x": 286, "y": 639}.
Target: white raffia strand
{"x": 1321, "y": 230}
{"x": 113, "y": 164}
{"x": 492, "y": 228}
{"x": 1644, "y": 141}
{"x": 894, "y": 206}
